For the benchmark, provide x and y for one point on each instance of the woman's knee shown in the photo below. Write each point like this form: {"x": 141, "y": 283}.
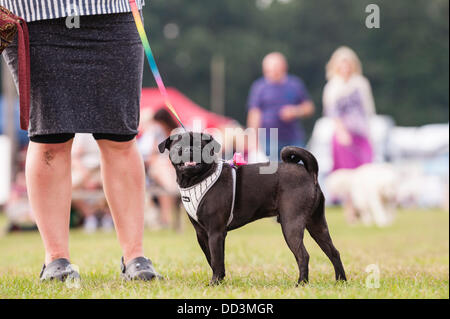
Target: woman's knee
{"x": 49, "y": 152}
{"x": 114, "y": 146}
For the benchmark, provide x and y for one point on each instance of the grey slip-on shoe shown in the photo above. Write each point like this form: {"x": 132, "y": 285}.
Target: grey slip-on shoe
{"x": 59, "y": 269}
{"x": 139, "y": 268}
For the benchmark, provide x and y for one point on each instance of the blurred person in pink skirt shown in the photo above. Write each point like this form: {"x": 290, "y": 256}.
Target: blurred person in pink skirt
{"x": 347, "y": 97}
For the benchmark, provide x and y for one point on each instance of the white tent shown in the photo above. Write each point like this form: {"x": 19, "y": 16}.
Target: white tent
{"x": 418, "y": 142}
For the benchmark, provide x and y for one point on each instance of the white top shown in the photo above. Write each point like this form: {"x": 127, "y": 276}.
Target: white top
{"x": 33, "y": 10}
{"x": 351, "y": 101}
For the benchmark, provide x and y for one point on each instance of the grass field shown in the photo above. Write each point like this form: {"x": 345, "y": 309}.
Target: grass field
{"x": 412, "y": 256}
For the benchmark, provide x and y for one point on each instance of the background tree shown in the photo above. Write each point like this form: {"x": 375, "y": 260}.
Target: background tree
{"x": 406, "y": 59}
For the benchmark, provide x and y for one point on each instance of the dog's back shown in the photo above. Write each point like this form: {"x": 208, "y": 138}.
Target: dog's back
{"x": 259, "y": 195}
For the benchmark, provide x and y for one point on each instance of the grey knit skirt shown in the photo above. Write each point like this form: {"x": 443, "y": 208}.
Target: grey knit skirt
{"x": 85, "y": 80}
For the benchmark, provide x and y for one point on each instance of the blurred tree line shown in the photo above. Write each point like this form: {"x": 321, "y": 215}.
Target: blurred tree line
{"x": 406, "y": 59}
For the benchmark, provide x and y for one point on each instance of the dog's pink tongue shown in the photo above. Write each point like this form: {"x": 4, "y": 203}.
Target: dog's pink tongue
{"x": 190, "y": 164}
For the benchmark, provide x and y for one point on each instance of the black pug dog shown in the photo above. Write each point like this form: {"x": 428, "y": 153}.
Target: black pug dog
{"x": 292, "y": 194}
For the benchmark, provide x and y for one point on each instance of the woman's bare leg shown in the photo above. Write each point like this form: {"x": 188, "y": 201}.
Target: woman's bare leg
{"x": 124, "y": 185}
{"x": 49, "y": 184}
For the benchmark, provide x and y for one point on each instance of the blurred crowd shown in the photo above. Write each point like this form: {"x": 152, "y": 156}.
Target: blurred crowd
{"x": 362, "y": 165}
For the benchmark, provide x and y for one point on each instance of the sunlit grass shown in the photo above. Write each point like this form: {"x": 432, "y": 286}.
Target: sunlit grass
{"x": 412, "y": 255}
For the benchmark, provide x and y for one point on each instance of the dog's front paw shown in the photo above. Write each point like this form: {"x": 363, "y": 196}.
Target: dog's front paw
{"x": 301, "y": 282}
{"x": 215, "y": 281}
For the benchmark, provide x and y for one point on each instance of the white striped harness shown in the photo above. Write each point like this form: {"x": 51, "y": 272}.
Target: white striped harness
{"x": 192, "y": 196}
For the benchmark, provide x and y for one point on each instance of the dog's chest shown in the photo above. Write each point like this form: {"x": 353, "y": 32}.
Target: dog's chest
{"x": 192, "y": 196}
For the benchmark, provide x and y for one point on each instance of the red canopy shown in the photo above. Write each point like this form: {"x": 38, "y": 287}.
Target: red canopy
{"x": 187, "y": 110}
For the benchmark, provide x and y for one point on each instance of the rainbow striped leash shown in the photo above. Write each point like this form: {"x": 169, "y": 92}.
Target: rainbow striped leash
{"x": 151, "y": 59}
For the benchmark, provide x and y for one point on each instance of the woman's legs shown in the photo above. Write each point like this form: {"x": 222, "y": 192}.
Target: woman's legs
{"x": 49, "y": 184}
{"x": 124, "y": 186}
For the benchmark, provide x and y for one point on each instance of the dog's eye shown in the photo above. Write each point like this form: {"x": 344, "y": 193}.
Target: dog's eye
{"x": 180, "y": 152}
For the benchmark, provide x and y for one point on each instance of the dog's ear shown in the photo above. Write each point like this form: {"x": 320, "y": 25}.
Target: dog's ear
{"x": 167, "y": 143}
{"x": 215, "y": 145}
{"x": 164, "y": 145}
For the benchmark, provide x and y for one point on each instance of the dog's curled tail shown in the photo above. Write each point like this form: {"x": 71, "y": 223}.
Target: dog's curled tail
{"x": 292, "y": 154}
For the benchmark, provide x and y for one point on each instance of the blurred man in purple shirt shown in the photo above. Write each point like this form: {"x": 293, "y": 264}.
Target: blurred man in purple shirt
{"x": 278, "y": 100}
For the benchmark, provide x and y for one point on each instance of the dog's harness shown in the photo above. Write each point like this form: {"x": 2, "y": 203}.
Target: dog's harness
{"x": 192, "y": 196}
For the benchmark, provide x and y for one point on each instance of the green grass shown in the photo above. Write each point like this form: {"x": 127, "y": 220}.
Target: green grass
{"x": 412, "y": 255}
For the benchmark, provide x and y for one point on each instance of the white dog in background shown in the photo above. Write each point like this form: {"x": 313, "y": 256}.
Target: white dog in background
{"x": 368, "y": 193}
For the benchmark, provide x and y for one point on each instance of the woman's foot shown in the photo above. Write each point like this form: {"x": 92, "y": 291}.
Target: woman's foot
{"x": 139, "y": 268}
{"x": 59, "y": 269}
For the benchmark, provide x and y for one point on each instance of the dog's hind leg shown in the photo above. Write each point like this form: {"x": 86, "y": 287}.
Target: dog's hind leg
{"x": 293, "y": 226}
{"x": 293, "y": 231}
{"x": 378, "y": 210}
{"x": 318, "y": 229}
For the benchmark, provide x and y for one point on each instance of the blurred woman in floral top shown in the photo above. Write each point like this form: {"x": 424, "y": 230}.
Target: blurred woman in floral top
{"x": 347, "y": 98}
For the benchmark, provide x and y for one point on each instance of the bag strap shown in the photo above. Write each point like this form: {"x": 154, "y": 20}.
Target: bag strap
{"x": 24, "y": 73}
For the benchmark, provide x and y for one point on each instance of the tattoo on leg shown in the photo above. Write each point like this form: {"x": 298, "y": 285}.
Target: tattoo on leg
{"x": 48, "y": 156}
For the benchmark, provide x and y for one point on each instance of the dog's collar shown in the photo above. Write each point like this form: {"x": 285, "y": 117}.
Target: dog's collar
{"x": 193, "y": 195}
